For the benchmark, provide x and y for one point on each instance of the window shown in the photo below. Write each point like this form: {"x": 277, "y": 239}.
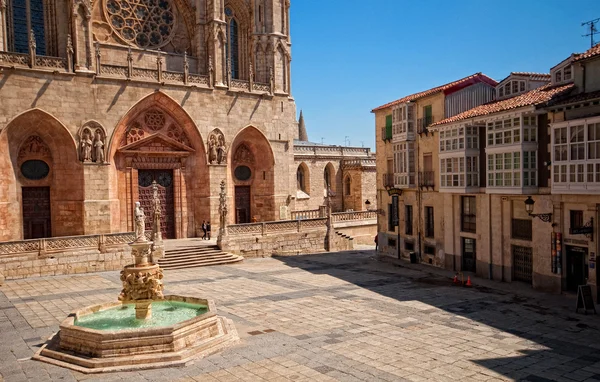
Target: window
{"x": 348, "y": 185}
{"x": 388, "y": 127}
{"x": 567, "y": 73}
{"x": 327, "y": 178}
{"x": 404, "y": 164}
{"x": 403, "y": 119}
{"x": 521, "y": 229}
{"x": 580, "y": 145}
{"x": 409, "y": 246}
{"x": 453, "y": 172}
{"x": 408, "y": 220}
{"x": 558, "y": 76}
{"x": 301, "y": 179}
{"x": 576, "y": 219}
{"x": 576, "y": 143}
{"x": 468, "y": 216}
{"x": 430, "y": 250}
{"x": 429, "y": 223}
{"x": 504, "y": 170}
{"x": 233, "y": 48}
{"x": 18, "y": 36}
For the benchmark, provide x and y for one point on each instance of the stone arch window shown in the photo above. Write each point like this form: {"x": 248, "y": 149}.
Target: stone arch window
{"x": 302, "y": 178}
{"x": 25, "y": 16}
{"x": 233, "y": 46}
{"x": 327, "y": 178}
{"x": 348, "y": 185}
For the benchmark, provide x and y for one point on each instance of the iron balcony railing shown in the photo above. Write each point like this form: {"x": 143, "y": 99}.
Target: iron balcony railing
{"x": 388, "y": 180}
{"x": 386, "y": 133}
{"x": 423, "y": 124}
{"x": 427, "y": 178}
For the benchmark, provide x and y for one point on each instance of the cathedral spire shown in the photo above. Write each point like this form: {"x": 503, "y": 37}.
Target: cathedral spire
{"x": 302, "y": 135}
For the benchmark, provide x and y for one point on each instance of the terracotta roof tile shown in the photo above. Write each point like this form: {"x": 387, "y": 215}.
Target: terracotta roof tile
{"x": 438, "y": 89}
{"x": 533, "y": 97}
{"x": 567, "y": 99}
{"x": 592, "y": 52}
{"x": 532, "y": 76}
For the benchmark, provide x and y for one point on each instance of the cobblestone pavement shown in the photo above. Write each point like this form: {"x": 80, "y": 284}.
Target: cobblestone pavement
{"x": 341, "y": 316}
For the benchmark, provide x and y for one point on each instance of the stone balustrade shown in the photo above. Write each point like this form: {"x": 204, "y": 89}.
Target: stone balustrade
{"x": 336, "y": 151}
{"x": 353, "y": 216}
{"x": 49, "y": 246}
{"x": 267, "y": 228}
{"x": 308, "y": 214}
{"x": 24, "y": 60}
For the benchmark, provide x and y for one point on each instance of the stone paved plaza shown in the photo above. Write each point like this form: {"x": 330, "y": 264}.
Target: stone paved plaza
{"x": 330, "y": 317}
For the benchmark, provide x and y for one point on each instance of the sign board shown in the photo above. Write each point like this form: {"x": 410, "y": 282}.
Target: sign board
{"x": 585, "y": 300}
{"x": 395, "y": 218}
{"x": 582, "y": 231}
{"x": 394, "y": 191}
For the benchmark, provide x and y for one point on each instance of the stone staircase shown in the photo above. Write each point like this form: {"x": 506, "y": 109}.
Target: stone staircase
{"x": 343, "y": 242}
{"x": 199, "y": 255}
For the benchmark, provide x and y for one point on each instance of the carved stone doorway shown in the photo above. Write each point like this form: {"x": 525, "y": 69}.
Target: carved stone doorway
{"x": 36, "y": 212}
{"x": 164, "y": 180}
{"x": 242, "y": 204}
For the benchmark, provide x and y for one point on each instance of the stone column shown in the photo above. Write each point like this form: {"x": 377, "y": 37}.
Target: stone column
{"x": 3, "y": 26}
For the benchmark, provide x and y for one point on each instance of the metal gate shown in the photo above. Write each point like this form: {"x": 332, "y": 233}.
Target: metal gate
{"x": 164, "y": 179}
{"x": 522, "y": 263}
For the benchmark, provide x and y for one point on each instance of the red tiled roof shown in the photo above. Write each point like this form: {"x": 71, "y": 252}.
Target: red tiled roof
{"x": 463, "y": 81}
{"x": 593, "y": 51}
{"x": 532, "y": 76}
{"x": 533, "y": 97}
{"x": 567, "y": 99}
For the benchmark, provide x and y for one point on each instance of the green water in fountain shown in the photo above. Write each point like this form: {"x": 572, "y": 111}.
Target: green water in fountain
{"x": 164, "y": 313}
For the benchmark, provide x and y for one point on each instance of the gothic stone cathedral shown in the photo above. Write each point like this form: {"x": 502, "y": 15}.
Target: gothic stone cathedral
{"x": 100, "y": 98}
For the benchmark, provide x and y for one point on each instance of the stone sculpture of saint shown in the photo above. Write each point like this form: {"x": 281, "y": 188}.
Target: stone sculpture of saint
{"x": 98, "y": 148}
{"x": 140, "y": 223}
{"x": 212, "y": 153}
{"x": 86, "y": 147}
{"x": 221, "y": 152}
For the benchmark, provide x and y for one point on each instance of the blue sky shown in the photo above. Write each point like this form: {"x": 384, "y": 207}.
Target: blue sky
{"x": 353, "y": 55}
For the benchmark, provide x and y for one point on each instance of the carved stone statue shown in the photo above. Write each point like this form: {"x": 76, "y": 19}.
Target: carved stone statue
{"x": 156, "y": 233}
{"x": 86, "y": 147}
{"x": 140, "y": 223}
{"x": 212, "y": 150}
{"x": 98, "y": 156}
{"x": 221, "y": 151}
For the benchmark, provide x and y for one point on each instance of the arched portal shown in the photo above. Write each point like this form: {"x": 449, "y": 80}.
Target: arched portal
{"x": 158, "y": 142}
{"x": 41, "y": 189}
{"x": 252, "y": 177}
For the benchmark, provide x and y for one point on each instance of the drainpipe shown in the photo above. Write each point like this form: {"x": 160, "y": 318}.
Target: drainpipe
{"x": 490, "y": 270}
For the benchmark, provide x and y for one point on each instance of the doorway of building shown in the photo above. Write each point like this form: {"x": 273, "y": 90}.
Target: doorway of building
{"x": 576, "y": 267}
{"x": 166, "y": 195}
{"x": 36, "y": 212}
{"x": 242, "y": 204}
{"x": 469, "y": 255}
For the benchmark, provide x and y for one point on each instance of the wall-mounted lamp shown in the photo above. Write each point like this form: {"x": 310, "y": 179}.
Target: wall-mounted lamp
{"x": 368, "y": 204}
{"x": 529, "y": 203}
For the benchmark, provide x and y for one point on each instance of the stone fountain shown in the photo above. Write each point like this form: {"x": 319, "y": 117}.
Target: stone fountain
{"x": 126, "y": 334}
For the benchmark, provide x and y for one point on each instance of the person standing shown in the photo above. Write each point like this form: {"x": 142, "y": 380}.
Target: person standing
{"x": 376, "y": 242}
{"x": 204, "y": 229}
{"x": 208, "y": 230}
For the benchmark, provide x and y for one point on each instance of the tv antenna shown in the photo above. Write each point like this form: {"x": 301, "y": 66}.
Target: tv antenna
{"x": 593, "y": 30}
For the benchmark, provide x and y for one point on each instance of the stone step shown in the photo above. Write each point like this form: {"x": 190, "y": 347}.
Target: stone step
{"x": 195, "y": 264}
{"x": 196, "y": 256}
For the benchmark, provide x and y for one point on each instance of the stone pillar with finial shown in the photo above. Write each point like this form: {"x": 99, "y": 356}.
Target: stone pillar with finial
{"x": 186, "y": 68}
{"x": 271, "y": 80}
{"x": 228, "y": 73}
{"x": 251, "y": 77}
{"x": 129, "y": 63}
{"x": 158, "y": 247}
{"x": 159, "y": 66}
{"x": 222, "y": 215}
{"x": 98, "y": 56}
{"x": 329, "y": 223}
{"x": 211, "y": 72}
{"x": 32, "y": 48}
{"x": 70, "y": 52}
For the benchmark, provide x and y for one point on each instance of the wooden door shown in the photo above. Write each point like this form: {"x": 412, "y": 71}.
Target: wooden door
{"x": 469, "y": 255}
{"x": 36, "y": 212}
{"x": 166, "y": 194}
{"x": 242, "y": 204}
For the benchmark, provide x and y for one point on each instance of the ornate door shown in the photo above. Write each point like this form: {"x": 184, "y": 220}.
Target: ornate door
{"x": 36, "y": 212}
{"x": 242, "y": 204}
{"x": 164, "y": 180}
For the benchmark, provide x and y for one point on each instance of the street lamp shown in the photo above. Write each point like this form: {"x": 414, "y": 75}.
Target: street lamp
{"x": 368, "y": 204}
{"x": 529, "y": 208}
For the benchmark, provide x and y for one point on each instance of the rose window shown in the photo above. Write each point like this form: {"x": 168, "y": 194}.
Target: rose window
{"x": 145, "y": 23}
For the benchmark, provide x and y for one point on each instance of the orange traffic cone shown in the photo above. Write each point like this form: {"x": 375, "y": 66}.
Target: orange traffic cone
{"x": 468, "y": 281}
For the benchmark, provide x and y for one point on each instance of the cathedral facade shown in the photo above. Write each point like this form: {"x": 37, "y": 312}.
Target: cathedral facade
{"x": 102, "y": 99}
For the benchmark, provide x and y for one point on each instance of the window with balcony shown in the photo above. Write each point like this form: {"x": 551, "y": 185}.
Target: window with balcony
{"x": 452, "y": 172}
{"x": 403, "y": 119}
{"x": 429, "y": 223}
{"x": 404, "y": 164}
{"x": 510, "y": 131}
{"x": 468, "y": 216}
{"x": 408, "y": 217}
{"x": 504, "y": 169}
{"x": 452, "y": 139}
{"x": 576, "y": 154}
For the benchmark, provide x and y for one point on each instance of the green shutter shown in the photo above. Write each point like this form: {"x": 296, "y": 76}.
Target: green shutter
{"x": 388, "y": 127}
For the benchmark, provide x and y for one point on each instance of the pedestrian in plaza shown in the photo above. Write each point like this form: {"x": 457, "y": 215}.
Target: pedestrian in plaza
{"x": 376, "y": 242}
{"x": 204, "y": 229}
{"x": 208, "y": 230}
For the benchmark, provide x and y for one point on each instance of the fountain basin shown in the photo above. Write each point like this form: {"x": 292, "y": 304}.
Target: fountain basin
{"x": 100, "y": 350}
